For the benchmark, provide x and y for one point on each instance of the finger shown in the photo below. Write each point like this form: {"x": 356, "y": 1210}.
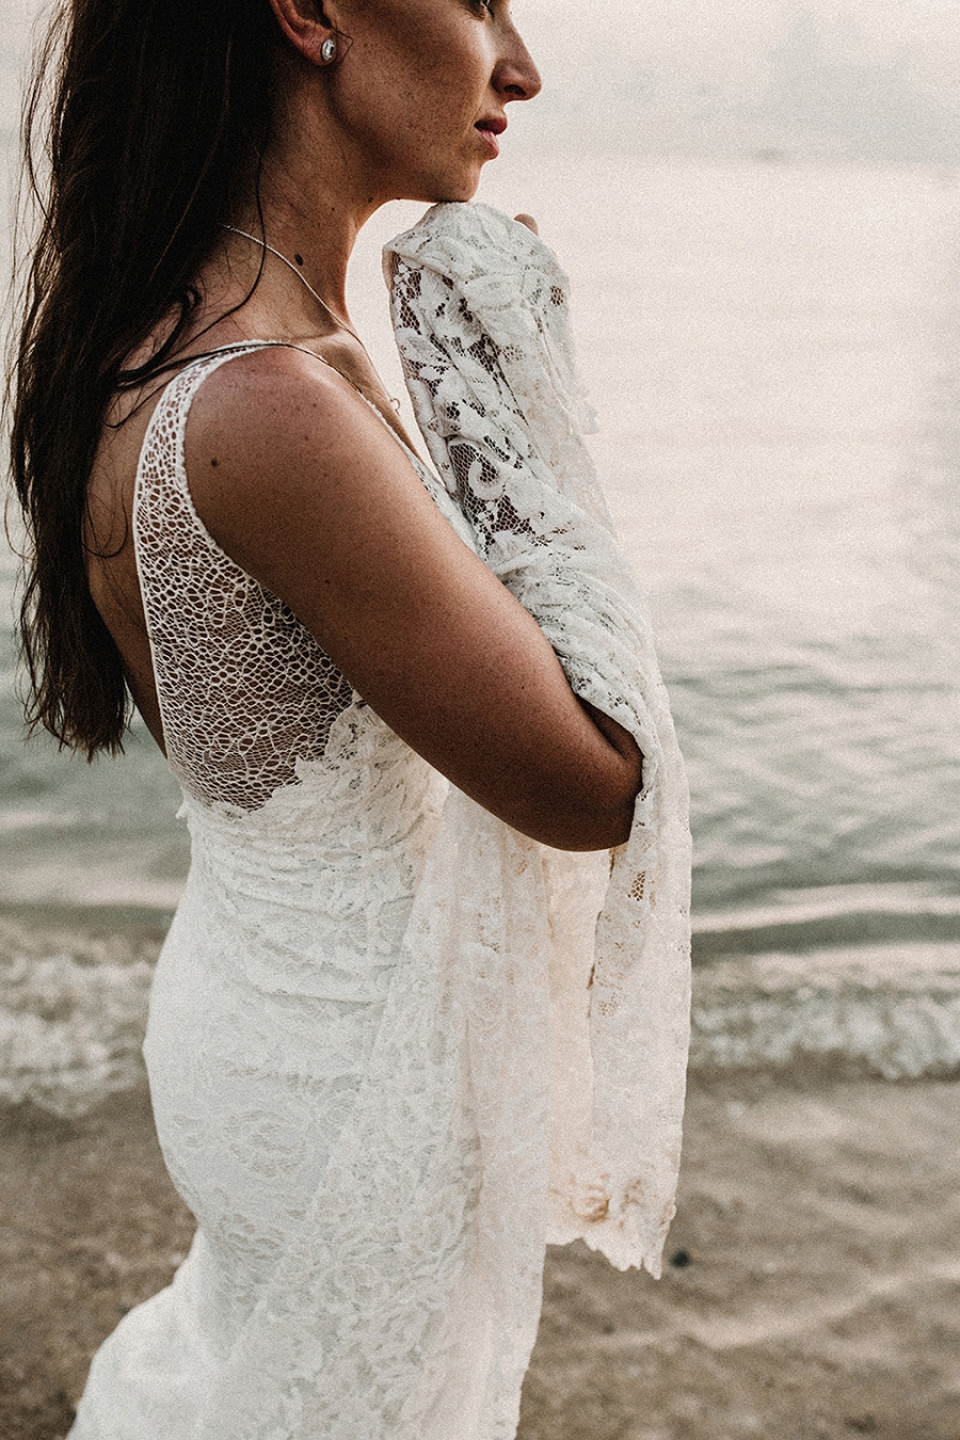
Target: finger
{"x": 529, "y": 221}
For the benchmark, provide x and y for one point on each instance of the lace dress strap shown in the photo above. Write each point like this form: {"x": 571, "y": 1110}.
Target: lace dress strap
{"x": 244, "y": 689}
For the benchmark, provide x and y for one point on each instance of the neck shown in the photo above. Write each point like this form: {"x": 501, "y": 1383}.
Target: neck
{"x": 317, "y": 239}
{"x": 313, "y": 199}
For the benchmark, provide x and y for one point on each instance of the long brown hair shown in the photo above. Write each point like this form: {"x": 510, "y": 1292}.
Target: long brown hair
{"x": 145, "y": 121}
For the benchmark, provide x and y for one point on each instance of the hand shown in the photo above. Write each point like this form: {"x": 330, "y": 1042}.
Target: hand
{"x": 529, "y": 221}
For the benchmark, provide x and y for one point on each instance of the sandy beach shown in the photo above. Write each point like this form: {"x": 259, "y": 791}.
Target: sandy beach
{"x": 813, "y": 1289}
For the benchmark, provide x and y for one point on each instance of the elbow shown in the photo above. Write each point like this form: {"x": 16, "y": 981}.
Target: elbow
{"x": 600, "y": 818}
{"x": 589, "y": 830}
{"x": 615, "y": 826}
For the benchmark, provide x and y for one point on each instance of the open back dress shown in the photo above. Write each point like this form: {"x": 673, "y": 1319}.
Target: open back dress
{"x": 393, "y": 1046}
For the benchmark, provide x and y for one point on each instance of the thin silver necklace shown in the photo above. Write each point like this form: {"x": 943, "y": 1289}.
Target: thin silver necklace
{"x": 303, "y": 279}
{"x": 395, "y": 403}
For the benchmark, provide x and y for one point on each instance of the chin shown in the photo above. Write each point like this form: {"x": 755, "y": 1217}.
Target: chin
{"x": 446, "y": 189}
{"x": 456, "y": 193}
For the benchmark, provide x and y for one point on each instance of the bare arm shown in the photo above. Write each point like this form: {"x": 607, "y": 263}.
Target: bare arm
{"x": 307, "y": 490}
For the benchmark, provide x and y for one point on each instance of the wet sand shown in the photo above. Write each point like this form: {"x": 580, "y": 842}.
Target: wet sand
{"x": 813, "y": 1294}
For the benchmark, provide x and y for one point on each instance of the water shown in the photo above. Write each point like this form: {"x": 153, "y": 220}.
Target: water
{"x": 775, "y": 355}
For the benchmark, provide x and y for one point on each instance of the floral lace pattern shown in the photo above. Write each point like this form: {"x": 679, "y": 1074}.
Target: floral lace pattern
{"x": 248, "y": 687}
{"x": 392, "y": 1047}
{"x": 481, "y": 314}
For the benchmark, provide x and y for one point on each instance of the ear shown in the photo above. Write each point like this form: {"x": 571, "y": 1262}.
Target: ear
{"x": 306, "y": 25}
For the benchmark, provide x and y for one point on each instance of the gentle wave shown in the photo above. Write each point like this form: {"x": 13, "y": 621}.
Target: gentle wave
{"x": 73, "y": 1010}
{"x": 820, "y": 918}
{"x": 892, "y": 1013}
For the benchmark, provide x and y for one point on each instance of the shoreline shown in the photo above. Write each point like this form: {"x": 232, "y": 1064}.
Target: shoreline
{"x": 812, "y": 1293}
{"x": 73, "y": 1007}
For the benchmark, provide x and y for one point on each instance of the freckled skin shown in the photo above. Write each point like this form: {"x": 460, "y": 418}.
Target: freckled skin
{"x": 300, "y": 483}
{"x": 421, "y": 73}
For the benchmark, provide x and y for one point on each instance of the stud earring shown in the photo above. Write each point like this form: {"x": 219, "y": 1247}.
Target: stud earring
{"x": 328, "y": 51}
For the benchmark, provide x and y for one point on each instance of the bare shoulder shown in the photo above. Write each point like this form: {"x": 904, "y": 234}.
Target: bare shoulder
{"x": 306, "y": 488}
{"x": 259, "y": 385}
{"x": 276, "y": 429}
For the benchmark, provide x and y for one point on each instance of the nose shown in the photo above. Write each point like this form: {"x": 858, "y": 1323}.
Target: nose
{"x": 516, "y": 76}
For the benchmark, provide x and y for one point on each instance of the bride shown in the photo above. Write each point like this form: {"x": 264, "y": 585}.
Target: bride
{"x": 408, "y": 1023}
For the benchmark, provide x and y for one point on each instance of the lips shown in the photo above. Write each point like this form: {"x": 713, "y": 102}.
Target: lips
{"x": 489, "y": 129}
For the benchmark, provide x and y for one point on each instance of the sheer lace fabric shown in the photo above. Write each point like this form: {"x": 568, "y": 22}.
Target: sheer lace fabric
{"x": 392, "y": 1047}
{"x": 481, "y": 315}
{"x": 243, "y": 687}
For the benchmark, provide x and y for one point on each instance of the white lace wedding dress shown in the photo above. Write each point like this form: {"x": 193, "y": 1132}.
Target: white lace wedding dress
{"x": 392, "y": 1048}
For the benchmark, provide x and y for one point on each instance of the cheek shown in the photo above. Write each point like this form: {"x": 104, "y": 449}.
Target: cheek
{"x": 416, "y": 126}
{"x": 414, "y": 102}
{"x": 440, "y": 71}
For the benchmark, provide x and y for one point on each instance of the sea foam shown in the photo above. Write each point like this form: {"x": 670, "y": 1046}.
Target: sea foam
{"x": 73, "y": 1011}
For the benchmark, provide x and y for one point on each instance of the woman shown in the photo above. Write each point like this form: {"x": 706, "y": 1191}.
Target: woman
{"x": 349, "y": 1047}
